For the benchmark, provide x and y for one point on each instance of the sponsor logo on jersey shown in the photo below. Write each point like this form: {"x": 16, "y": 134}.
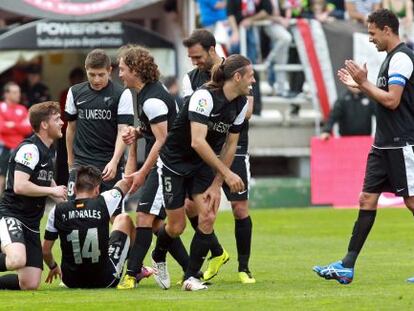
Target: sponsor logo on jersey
{"x": 219, "y": 127}
{"x": 45, "y": 175}
{"x": 108, "y": 101}
{"x": 382, "y": 82}
{"x": 202, "y": 105}
{"x": 115, "y": 194}
{"x": 28, "y": 156}
{"x": 95, "y": 114}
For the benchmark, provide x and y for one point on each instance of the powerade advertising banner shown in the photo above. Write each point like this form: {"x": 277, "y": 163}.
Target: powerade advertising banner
{"x": 44, "y": 34}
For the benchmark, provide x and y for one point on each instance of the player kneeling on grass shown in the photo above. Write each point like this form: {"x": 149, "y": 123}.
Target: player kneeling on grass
{"x": 91, "y": 258}
{"x": 29, "y": 182}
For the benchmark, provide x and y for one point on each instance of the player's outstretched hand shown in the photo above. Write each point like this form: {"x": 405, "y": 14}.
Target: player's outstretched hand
{"x": 54, "y": 274}
{"x": 138, "y": 179}
{"x": 212, "y": 197}
{"x": 128, "y": 135}
{"x": 60, "y": 193}
{"x": 234, "y": 182}
{"x": 109, "y": 171}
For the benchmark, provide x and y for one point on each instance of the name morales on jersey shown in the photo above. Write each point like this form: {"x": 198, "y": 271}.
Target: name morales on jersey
{"x": 94, "y": 114}
{"x": 82, "y": 214}
{"x": 220, "y": 127}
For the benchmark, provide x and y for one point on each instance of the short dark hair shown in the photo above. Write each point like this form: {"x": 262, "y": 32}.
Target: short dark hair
{"x": 97, "y": 59}
{"x": 200, "y": 36}
{"x": 384, "y": 17}
{"x": 87, "y": 178}
{"x": 42, "y": 112}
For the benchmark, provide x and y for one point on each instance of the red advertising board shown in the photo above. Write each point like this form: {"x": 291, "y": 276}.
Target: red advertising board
{"x": 337, "y": 171}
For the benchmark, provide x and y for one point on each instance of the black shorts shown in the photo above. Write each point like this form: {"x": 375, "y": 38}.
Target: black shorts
{"x": 105, "y": 185}
{"x": 241, "y": 167}
{"x": 151, "y": 199}
{"x": 13, "y": 230}
{"x": 105, "y": 274}
{"x": 176, "y": 187}
{"x": 4, "y": 159}
{"x": 390, "y": 170}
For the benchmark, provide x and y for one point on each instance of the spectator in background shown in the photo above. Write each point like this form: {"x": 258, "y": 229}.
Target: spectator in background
{"x": 322, "y": 11}
{"x": 244, "y": 13}
{"x": 76, "y": 75}
{"x": 353, "y": 113}
{"x": 298, "y": 8}
{"x": 358, "y": 10}
{"x": 14, "y": 126}
{"x": 280, "y": 39}
{"x": 171, "y": 83}
{"x": 403, "y": 9}
{"x": 211, "y": 12}
{"x": 338, "y": 8}
{"x": 34, "y": 91}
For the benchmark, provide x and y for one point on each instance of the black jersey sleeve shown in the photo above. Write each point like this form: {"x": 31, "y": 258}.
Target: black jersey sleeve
{"x": 238, "y": 123}
{"x": 156, "y": 110}
{"x": 200, "y": 106}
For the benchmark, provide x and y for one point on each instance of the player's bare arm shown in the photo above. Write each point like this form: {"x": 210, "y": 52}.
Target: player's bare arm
{"x": 23, "y": 186}
{"x": 110, "y": 169}
{"x": 70, "y": 136}
{"x": 160, "y": 132}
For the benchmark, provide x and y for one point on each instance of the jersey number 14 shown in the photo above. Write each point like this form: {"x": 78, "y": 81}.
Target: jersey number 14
{"x": 90, "y": 247}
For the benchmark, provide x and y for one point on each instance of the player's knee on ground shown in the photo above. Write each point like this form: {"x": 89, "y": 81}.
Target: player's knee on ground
{"x": 29, "y": 283}
{"x": 240, "y": 209}
{"x": 15, "y": 261}
{"x": 368, "y": 201}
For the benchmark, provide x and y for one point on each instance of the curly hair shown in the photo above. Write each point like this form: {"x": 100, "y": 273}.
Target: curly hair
{"x": 140, "y": 60}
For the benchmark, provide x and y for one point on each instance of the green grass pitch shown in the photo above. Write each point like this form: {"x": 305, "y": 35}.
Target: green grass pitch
{"x": 286, "y": 244}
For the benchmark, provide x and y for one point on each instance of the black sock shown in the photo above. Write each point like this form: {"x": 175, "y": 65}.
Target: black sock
{"x": 194, "y": 222}
{"x": 139, "y": 250}
{"x": 243, "y": 234}
{"x": 163, "y": 244}
{"x": 360, "y": 233}
{"x": 179, "y": 253}
{"x": 9, "y": 281}
{"x": 215, "y": 246}
{"x": 3, "y": 262}
{"x": 199, "y": 248}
